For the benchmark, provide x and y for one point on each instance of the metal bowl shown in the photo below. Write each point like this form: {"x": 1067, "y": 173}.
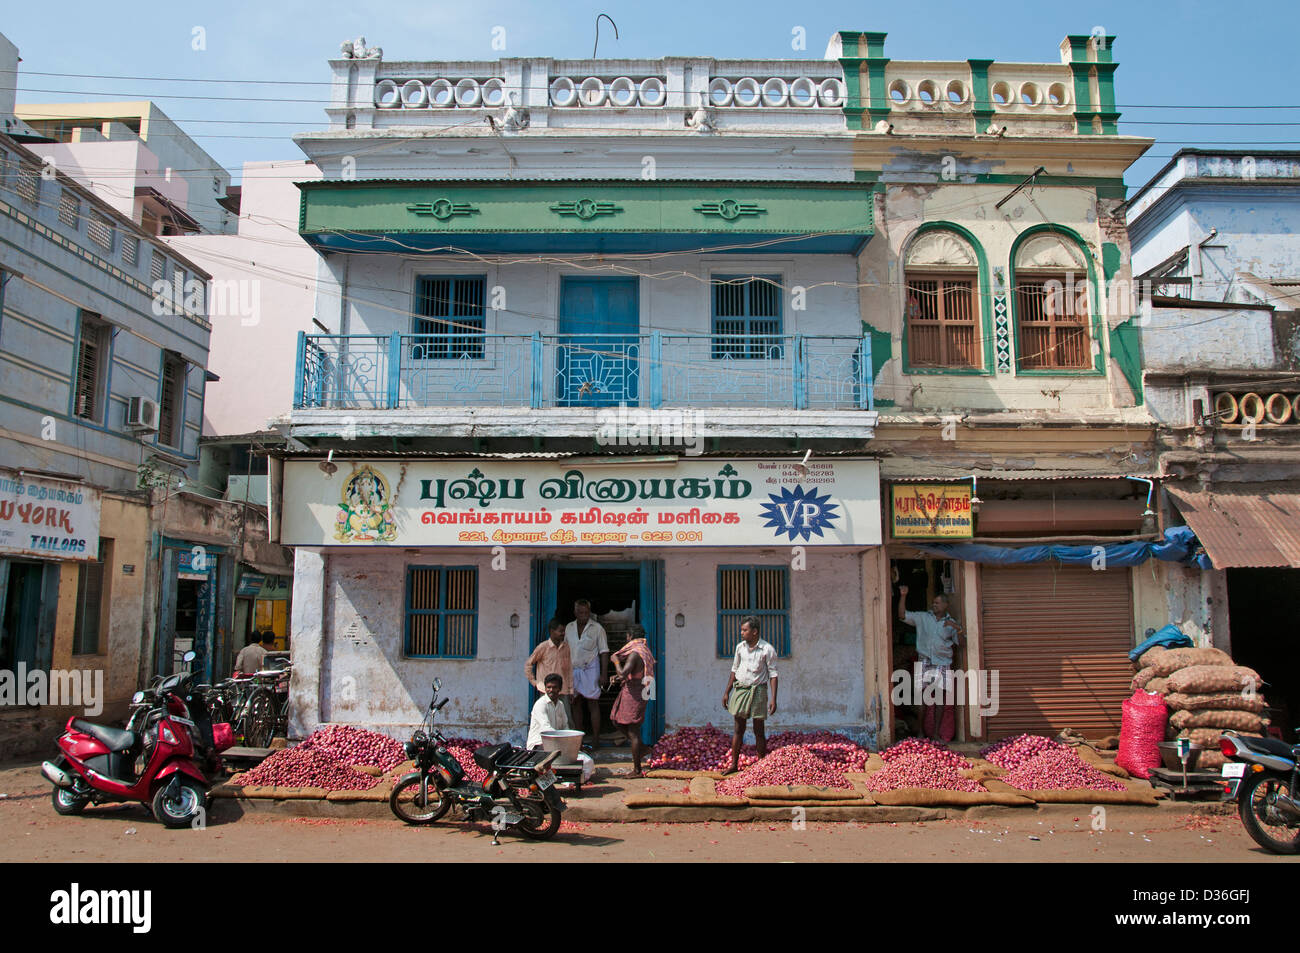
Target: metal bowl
{"x": 1169, "y": 756}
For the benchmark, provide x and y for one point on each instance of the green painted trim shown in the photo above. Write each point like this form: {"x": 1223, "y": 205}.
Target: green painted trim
{"x": 1106, "y": 89}
{"x": 642, "y": 207}
{"x": 882, "y": 349}
{"x": 1110, "y": 261}
{"x": 982, "y": 100}
{"x": 985, "y": 296}
{"x": 1099, "y": 362}
{"x": 1126, "y": 349}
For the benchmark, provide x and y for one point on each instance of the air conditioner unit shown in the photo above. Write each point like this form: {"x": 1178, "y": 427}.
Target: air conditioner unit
{"x": 142, "y": 414}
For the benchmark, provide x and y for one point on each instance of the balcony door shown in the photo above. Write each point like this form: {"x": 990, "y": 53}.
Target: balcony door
{"x": 597, "y": 355}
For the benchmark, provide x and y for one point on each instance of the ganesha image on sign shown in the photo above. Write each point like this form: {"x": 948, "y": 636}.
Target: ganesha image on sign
{"x": 364, "y": 513}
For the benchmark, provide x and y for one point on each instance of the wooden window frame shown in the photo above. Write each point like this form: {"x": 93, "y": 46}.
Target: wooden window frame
{"x": 728, "y": 618}
{"x": 441, "y": 612}
{"x": 944, "y": 278}
{"x": 1055, "y": 324}
{"x": 759, "y": 337}
{"x": 92, "y": 325}
{"x": 104, "y": 559}
{"x": 465, "y": 320}
{"x": 176, "y": 439}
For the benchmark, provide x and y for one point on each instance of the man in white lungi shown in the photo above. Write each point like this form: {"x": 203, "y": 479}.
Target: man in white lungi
{"x": 589, "y": 647}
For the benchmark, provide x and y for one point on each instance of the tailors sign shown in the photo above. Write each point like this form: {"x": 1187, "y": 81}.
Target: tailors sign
{"x": 558, "y": 504}
{"x": 45, "y": 517}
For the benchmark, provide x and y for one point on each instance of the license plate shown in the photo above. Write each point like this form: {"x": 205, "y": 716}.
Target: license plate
{"x": 182, "y": 721}
{"x": 1234, "y": 769}
{"x": 545, "y": 779}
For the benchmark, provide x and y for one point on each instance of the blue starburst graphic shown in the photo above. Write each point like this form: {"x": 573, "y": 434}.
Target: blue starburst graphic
{"x": 799, "y": 513}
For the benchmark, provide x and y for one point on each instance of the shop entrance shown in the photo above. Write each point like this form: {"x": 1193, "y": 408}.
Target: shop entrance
{"x": 26, "y": 623}
{"x": 1262, "y": 608}
{"x": 622, "y": 595}
{"x": 925, "y": 579}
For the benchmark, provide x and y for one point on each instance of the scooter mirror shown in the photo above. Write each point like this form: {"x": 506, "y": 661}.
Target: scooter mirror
{"x": 437, "y": 684}
{"x": 189, "y": 656}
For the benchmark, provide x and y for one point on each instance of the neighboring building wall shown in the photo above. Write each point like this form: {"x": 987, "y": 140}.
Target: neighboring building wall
{"x": 205, "y": 180}
{"x": 261, "y": 295}
{"x": 113, "y": 170}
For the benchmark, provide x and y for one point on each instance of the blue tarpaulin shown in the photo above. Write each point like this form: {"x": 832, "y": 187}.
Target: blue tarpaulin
{"x": 1179, "y": 545}
{"x": 1171, "y": 637}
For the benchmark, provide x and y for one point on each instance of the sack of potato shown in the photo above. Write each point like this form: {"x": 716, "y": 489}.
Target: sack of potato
{"x": 1203, "y": 689}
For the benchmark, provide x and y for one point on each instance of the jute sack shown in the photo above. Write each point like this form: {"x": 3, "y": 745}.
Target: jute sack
{"x": 682, "y": 800}
{"x": 1141, "y": 678}
{"x": 1172, "y": 660}
{"x": 300, "y": 794}
{"x": 257, "y": 790}
{"x": 801, "y": 792}
{"x": 815, "y": 802}
{"x": 1158, "y": 685}
{"x": 1212, "y": 718}
{"x": 1209, "y": 737}
{"x": 1206, "y": 679}
{"x": 1227, "y": 701}
{"x": 1148, "y": 658}
{"x": 930, "y": 797}
{"x": 1099, "y": 762}
{"x": 703, "y": 787}
{"x": 1138, "y": 792}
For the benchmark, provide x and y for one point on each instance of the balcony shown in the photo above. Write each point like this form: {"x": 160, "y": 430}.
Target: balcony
{"x": 795, "y": 372}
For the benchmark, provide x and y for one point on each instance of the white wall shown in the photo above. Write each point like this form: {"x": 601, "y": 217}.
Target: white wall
{"x": 268, "y": 275}
{"x": 364, "y": 680}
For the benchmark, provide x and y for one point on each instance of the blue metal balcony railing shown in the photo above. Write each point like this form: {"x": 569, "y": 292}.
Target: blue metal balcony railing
{"x": 655, "y": 369}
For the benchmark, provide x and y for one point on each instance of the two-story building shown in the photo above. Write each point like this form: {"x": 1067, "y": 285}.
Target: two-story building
{"x": 650, "y": 332}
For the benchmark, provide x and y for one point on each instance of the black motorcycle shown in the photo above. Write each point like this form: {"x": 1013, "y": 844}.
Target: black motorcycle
{"x": 1261, "y": 775}
{"x": 519, "y": 792}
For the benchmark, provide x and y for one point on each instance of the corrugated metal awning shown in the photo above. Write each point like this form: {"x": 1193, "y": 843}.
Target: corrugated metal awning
{"x": 1246, "y": 525}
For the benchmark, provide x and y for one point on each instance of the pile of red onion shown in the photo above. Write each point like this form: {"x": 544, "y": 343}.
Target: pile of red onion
{"x": 463, "y": 750}
{"x": 1012, "y": 752}
{"x": 355, "y": 746}
{"x": 306, "y": 768}
{"x": 709, "y": 749}
{"x": 791, "y": 764}
{"x": 927, "y": 751}
{"x": 1059, "y": 771}
{"x": 918, "y": 771}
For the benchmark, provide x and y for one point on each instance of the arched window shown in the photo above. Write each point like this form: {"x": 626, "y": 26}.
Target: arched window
{"x": 1053, "y": 312}
{"x": 941, "y": 303}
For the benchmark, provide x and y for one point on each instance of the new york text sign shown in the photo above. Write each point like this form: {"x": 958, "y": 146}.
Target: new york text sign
{"x": 51, "y": 518}
{"x": 715, "y": 502}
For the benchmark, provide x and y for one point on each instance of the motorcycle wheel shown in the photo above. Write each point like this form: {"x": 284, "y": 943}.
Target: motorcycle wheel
{"x": 68, "y": 801}
{"x": 405, "y": 802}
{"x": 543, "y": 828}
{"x": 190, "y": 802}
{"x": 1255, "y": 800}
{"x": 259, "y": 721}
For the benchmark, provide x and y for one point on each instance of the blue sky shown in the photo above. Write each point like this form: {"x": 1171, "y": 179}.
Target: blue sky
{"x": 1189, "y": 54}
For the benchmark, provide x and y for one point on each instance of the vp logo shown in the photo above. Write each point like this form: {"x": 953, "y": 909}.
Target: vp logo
{"x": 798, "y": 513}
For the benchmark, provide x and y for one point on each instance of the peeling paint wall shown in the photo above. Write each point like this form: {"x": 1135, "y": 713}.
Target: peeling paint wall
{"x": 348, "y": 635}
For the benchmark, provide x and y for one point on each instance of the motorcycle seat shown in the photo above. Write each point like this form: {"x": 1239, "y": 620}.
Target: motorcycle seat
{"x": 1268, "y": 746}
{"x": 488, "y": 756}
{"x": 115, "y": 739}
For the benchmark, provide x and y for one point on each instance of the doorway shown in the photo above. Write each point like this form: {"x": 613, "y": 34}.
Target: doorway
{"x": 925, "y": 579}
{"x": 21, "y": 615}
{"x": 622, "y": 595}
{"x": 599, "y": 324}
{"x": 1262, "y": 608}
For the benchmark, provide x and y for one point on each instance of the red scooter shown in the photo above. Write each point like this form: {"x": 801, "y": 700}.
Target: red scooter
{"x": 170, "y": 728}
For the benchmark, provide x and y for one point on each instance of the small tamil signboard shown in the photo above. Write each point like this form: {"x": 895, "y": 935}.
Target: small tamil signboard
{"x": 558, "y": 504}
{"x": 40, "y": 516}
{"x": 931, "y": 511}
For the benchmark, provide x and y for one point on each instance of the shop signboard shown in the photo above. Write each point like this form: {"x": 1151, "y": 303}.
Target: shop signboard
{"x": 250, "y": 584}
{"x": 931, "y": 511}
{"x": 51, "y": 518}
{"x": 713, "y": 502}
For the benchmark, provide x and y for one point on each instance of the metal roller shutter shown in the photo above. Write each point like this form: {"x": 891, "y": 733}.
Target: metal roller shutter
{"x": 1059, "y": 638}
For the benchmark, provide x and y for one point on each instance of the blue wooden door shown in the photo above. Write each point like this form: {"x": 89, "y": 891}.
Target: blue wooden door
{"x": 651, "y": 608}
{"x": 596, "y": 361}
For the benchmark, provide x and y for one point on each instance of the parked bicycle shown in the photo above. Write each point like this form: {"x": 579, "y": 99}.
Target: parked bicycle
{"x": 256, "y": 705}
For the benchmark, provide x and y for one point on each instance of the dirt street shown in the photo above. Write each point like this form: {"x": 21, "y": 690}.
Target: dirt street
{"x": 31, "y": 831}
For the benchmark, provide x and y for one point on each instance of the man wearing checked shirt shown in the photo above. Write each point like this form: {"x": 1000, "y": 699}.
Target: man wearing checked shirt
{"x": 752, "y": 669}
